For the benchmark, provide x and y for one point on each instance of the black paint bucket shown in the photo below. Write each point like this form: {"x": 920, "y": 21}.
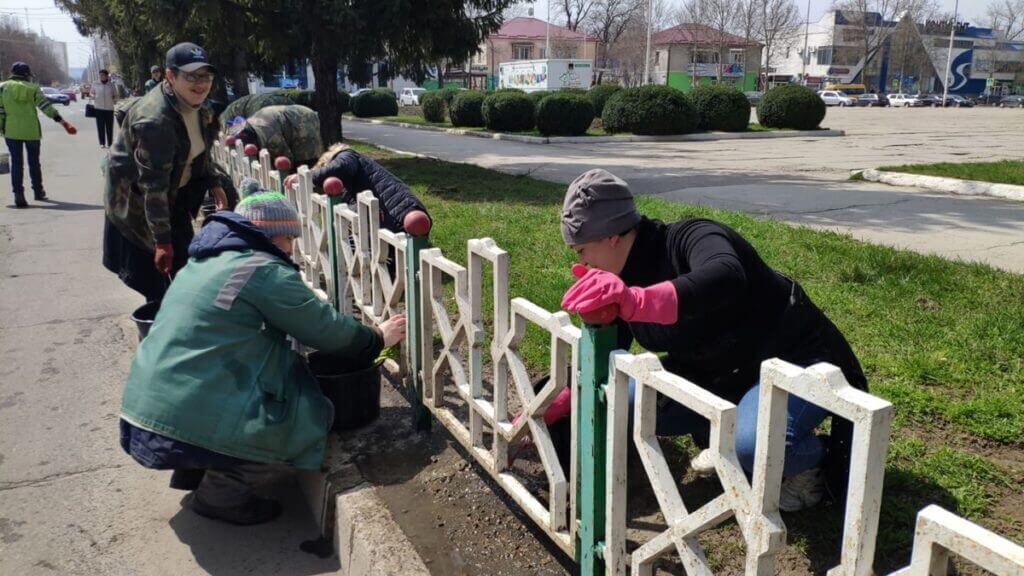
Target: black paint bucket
{"x": 352, "y": 386}
{"x": 144, "y": 316}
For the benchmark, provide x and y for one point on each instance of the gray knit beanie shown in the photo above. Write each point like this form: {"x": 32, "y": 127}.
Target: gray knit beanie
{"x": 271, "y": 212}
{"x": 598, "y": 204}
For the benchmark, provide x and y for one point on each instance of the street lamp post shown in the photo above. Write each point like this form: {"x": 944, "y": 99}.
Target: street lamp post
{"x": 949, "y": 54}
{"x": 807, "y": 32}
{"x": 647, "y": 57}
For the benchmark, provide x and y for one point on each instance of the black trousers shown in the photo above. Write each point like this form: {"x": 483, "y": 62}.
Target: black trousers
{"x": 134, "y": 265}
{"x": 105, "y": 126}
{"x": 20, "y": 151}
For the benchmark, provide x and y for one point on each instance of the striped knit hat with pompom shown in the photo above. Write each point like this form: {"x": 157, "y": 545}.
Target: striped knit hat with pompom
{"x": 270, "y": 211}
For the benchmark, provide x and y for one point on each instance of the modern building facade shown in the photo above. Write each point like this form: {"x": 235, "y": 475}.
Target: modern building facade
{"x": 689, "y": 55}
{"x": 912, "y": 57}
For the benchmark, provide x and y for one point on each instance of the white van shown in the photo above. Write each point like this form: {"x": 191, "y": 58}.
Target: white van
{"x": 411, "y": 96}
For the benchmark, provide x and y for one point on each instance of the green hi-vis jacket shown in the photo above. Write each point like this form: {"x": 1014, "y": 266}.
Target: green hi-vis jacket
{"x": 19, "y": 99}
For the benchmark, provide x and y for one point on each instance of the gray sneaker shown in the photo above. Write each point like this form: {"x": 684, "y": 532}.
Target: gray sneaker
{"x": 802, "y": 491}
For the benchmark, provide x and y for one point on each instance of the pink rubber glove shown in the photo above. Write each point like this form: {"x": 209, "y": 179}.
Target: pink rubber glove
{"x": 597, "y": 289}
{"x": 558, "y": 409}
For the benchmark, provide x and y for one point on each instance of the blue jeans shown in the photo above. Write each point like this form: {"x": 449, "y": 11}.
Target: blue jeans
{"x": 803, "y": 448}
{"x": 18, "y": 149}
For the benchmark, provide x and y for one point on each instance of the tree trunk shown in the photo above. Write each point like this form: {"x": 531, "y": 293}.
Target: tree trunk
{"x": 239, "y": 64}
{"x": 325, "y": 72}
{"x": 440, "y": 75}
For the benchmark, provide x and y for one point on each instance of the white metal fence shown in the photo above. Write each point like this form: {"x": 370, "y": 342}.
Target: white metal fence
{"x": 348, "y": 260}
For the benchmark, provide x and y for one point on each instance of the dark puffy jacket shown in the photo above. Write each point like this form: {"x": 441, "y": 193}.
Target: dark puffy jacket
{"x": 359, "y": 173}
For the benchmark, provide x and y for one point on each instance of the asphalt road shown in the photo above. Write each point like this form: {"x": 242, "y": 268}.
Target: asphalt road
{"x": 798, "y": 180}
{"x": 71, "y": 502}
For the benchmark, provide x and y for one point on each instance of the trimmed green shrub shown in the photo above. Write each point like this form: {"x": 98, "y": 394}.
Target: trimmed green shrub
{"x": 448, "y": 94}
{"x": 565, "y": 115}
{"x": 537, "y": 96}
{"x": 649, "y": 110}
{"x": 433, "y": 107}
{"x": 466, "y": 109}
{"x": 720, "y": 107}
{"x": 507, "y": 91}
{"x": 600, "y": 94}
{"x": 388, "y": 91}
{"x": 791, "y": 106}
{"x": 508, "y": 111}
{"x": 375, "y": 103}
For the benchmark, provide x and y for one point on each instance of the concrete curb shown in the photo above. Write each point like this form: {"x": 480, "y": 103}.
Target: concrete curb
{"x": 364, "y": 535}
{"x": 952, "y": 185}
{"x": 825, "y": 133}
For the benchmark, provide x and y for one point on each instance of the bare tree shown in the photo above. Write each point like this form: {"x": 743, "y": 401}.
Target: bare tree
{"x": 610, "y": 19}
{"x": 518, "y": 10}
{"x": 871, "y": 22}
{"x": 629, "y": 48}
{"x": 1007, "y": 16}
{"x": 576, "y": 11}
{"x": 779, "y": 27}
{"x": 719, "y": 16}
{"x": 748, "y": 19}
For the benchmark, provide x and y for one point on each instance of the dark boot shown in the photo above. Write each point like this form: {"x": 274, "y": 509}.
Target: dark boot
{"x": 19, "y": 200}
{"x": 40, "y": 194}
{"x": 255, "y": 511}
{"x": 187, "y": 480}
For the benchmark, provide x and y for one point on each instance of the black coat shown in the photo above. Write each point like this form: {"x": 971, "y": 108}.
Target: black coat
{"x": 734, "y": 313}
{"x": 359, "y": 173}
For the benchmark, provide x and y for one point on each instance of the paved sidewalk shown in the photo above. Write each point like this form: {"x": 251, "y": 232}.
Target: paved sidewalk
{"x": 802, "y": 181}
{"x": 70, "y": 501}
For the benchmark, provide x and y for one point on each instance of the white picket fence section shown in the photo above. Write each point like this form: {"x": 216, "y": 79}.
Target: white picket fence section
{"x": 369, "y": 276}
{"x": 466, "y": 372}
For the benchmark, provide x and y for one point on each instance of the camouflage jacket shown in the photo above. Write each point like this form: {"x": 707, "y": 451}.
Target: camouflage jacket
{"x": 291, "y": 131}
{"x": 146, "y": 163}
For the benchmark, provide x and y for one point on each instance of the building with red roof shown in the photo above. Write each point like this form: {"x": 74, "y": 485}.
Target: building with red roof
{"x": 691, "y": 54}
{"x": 522, "y": 39}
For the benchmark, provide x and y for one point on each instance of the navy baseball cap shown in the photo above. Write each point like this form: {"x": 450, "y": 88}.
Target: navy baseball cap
{"x": 188, "y": 57}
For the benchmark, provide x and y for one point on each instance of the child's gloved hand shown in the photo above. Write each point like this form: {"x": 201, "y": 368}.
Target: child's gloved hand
{"x": 392, "y": 330}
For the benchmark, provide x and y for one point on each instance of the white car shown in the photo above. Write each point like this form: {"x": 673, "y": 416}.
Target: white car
{"x": 411, "y": 96}
{"x": 836, "y": 98}
{"x": 360, "y": 91}
{"x": 905, "y": 100}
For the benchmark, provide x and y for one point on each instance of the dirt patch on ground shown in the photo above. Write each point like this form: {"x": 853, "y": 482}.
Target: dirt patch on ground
{"x": 456, "y": 517}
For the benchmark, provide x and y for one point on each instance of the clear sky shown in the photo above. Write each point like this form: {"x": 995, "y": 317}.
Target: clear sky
{"x": 45, "y": 15}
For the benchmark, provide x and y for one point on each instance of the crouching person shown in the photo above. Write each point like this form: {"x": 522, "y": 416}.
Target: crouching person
{"x": 216, "y": 391}
{"x": 400, "y": 209}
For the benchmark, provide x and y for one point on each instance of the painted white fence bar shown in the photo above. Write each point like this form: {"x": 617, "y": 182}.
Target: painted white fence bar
{"x": 760, "y": 524}
{"x": 940, "y": 533}
{"x": 510, "y": 323}
{"x": 824, "y": 385}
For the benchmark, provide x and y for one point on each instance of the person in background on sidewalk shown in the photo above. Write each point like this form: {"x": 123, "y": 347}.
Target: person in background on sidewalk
{"x": 216, "y": 386}
{"x": 155, "y": 74}
{"x": 105, "y": 96}
{"x": 19, "y": 125}
{"x": 698, "y": 292}
{"x": 158, "y": 173}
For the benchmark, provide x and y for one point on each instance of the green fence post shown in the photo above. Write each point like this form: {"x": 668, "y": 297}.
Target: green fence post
{"x": 596, "y": 345}
{"x": 414, "y": 326}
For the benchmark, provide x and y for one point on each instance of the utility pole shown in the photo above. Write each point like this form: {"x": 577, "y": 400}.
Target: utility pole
{"x": 806, "y": 56}
{"x": 547, "y": 31}
{"x": 647, "y": 58}
{"x": 949, "y": 54}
